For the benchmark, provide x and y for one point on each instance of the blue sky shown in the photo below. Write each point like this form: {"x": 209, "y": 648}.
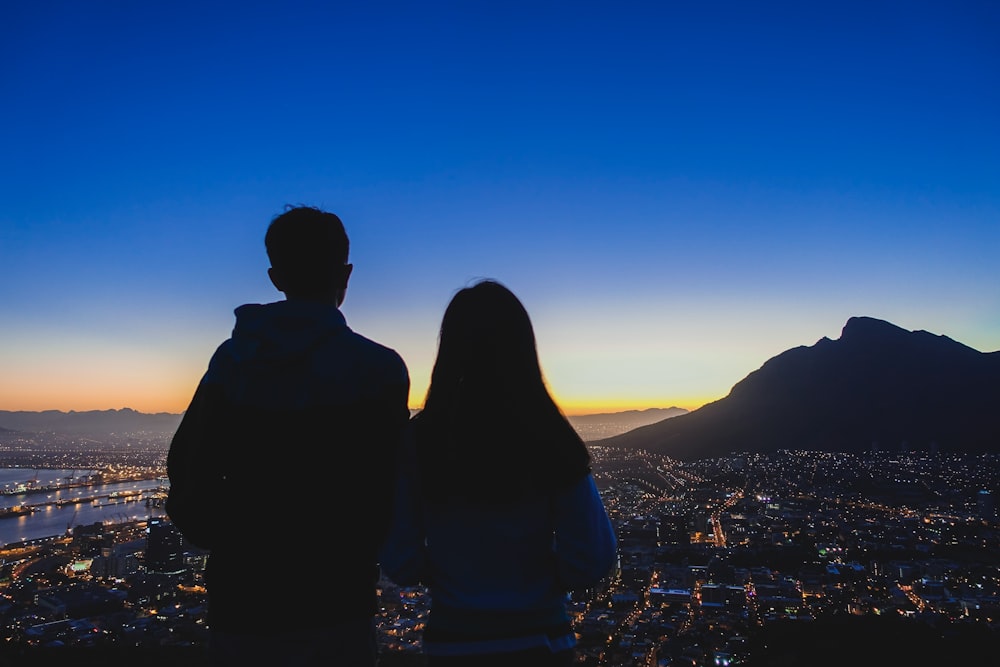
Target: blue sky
{"x": 677, "y": 191}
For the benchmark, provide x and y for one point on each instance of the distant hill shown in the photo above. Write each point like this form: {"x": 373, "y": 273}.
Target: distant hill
{"x": 126, "y": 420}
{"x": 878, "y": 385}
{"x": 90, "y": 422}
{"x": 607, "y": 424}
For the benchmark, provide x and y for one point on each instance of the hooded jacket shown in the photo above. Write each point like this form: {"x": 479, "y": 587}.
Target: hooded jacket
{"x": 294, "y": 401}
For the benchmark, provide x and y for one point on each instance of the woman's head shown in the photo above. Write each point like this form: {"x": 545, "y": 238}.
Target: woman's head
{"x": 488, "y": 401}
{"x": 486, "y": 343}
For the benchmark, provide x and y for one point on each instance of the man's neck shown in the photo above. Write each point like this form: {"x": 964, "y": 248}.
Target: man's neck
{"x": 325, "y": 299}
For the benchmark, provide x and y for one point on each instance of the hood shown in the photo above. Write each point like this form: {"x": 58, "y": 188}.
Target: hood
{"x": 283, "y": 330}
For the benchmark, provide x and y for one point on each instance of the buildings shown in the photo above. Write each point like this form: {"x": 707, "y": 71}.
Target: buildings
{"x": 745, "y": 560}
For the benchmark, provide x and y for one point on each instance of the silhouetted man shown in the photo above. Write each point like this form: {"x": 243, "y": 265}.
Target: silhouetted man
{"x": 280, "y": 465}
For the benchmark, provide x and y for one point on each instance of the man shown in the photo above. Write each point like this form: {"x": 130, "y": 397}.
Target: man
{"x": 295, "y": 403}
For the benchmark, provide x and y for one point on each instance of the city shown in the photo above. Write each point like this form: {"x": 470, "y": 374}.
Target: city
{"x": 727, "y": 561}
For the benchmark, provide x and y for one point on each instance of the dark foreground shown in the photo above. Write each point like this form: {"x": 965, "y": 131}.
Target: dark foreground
{"x": 167, "y": 656}
{"x": 851, "y": 641}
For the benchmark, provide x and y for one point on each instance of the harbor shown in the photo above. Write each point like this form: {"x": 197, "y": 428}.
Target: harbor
{"x": 50, "y": 502}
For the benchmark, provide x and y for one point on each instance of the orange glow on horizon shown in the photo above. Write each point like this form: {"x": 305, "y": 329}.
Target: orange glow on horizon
{"x": 591, "y": 406}
{"x": 579, "y": 407}
{"x": 76, "y": 399}
{"x": 150, "y": 400}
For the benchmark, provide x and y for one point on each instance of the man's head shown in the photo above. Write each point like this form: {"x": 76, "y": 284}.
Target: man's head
{"x": 308, "y": 249}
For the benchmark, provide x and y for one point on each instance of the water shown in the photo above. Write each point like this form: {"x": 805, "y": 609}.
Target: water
{"x": 11, "y": 476}
{"x": 53, "y": 520}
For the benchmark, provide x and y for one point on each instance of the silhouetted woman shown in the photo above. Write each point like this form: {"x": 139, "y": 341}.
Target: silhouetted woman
{"x": 497, "y": 512}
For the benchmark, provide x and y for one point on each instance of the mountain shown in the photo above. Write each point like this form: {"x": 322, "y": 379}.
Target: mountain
{"x": 878, "y": 385}
{"x": 607, "y": 424}
{"x": 90, "y": 422}
{"x": 126, "y": 420}
{"x": 628, "y": 417}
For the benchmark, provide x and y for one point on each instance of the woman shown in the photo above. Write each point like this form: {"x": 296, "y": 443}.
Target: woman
{"x": 497, "y": 512}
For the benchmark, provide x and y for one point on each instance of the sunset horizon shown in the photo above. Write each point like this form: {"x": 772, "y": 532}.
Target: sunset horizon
{"x": 571, "y": 409}
{"x": 68, "y": 399}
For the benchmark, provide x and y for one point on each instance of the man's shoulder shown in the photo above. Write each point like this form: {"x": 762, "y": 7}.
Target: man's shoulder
{"x": 375, "y": 352}
{"x": 372, "y": 346}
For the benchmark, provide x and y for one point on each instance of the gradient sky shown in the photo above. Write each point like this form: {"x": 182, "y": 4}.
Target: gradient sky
{"x": 677, "y": 191}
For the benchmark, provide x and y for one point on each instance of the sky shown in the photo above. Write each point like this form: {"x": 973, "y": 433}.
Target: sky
{"x": 676, "y": 191}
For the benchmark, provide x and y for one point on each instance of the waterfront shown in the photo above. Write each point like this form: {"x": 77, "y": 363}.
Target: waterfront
{"x": 59, "y": 509}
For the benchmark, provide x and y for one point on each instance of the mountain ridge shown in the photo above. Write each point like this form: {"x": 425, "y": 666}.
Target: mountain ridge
{"x": 878, "y": 385}
{"x": 89, "y": 422}
{"x": 94, "y": 422}
{"x": 630, "y": 415}
{"x": 605, "y": 424}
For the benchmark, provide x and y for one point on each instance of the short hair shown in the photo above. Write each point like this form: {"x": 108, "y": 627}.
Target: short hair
{"x": 307, "y": 246}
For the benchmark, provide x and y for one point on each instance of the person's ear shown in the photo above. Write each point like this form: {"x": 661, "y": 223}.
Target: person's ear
{"x": 276, "y": 280}
{"x": 342, "y": 290}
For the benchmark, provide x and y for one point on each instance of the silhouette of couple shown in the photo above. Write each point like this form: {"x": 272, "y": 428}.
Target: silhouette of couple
{"x": 485, "y": 496}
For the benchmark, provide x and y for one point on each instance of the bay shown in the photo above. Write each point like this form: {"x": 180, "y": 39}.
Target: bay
{"x": 80, "y": 505}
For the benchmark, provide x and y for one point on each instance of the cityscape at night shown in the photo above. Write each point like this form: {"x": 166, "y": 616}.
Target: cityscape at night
{"x": 725, "y": 561}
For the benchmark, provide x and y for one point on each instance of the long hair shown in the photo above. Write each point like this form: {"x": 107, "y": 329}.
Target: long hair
{"x": 489, "y": 430}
